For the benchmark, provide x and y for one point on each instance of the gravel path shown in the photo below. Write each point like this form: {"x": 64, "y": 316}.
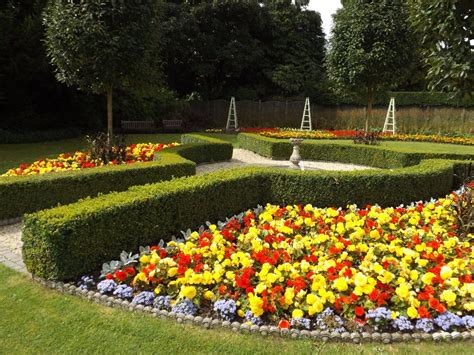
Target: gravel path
{"x": 10, "y": 235}
{"x": 242, "y": 157}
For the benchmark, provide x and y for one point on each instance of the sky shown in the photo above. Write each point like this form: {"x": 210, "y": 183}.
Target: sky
{"x": 326, "y": 8}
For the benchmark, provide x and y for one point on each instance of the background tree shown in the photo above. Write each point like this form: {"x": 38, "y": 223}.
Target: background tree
{"x": 370, "y": 47}
{"x": 297, "y": 49}
{"x": 447, "y": 30}
{"x": 31, "y": 97}
{"x": 102, "y": 45}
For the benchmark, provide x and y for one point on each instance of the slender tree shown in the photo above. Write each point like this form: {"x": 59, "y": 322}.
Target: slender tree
{"x": 370, "y": 47}
{"x": 447, "y": 30}
{"x": 102, "y": 45}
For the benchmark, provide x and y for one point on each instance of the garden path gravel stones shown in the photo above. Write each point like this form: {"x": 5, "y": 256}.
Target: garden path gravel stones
{"x": 10, "y": 234}
{"x": 10, "y": 247}
{"x": 242, "y": 158}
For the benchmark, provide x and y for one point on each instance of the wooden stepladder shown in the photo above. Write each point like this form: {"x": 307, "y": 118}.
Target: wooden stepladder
{"x": 232, "y": 123}
{"x": 306, "y": 120}
{"x": 390, "y": 124}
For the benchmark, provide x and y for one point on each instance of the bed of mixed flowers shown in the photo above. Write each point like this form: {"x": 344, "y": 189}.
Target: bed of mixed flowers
{"x": 392, "y": 269}
{"x": 142, "y": 152}
{"x": 286, "y": 133}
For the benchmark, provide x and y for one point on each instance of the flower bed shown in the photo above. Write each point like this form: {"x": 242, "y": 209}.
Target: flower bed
{"x": 142, "y": 152}
{"x": 384, "y": 269}
{"x": 287, "y": 133}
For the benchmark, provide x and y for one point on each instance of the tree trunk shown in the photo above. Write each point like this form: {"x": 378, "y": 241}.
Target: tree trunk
{"x": 110, "y": 124}
{"x": 370, "y": 101}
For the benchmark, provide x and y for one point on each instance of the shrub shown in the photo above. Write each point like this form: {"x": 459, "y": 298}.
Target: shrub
{"x": 69, "y": 241}
{"x": 26, "y": 194}
{"x": 205, "y": 149}
{"x": 376, "y": 156}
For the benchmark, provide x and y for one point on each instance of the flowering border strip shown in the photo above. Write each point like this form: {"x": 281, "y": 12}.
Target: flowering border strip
{"x": 208, "y": 322}
{"x": 26, "y": 194}
{"x": 47, "y": 253}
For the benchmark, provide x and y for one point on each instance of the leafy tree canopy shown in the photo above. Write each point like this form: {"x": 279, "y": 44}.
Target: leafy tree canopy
{"x": 370, "y": 46}
{"x": 99, "y": 45}
{"x": 447, "y": 30}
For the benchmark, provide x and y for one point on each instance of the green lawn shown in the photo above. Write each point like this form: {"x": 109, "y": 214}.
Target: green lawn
{"x": 35, "y": 319}
{"x": 11, "y": 155}
{"x": 425, "y": 147}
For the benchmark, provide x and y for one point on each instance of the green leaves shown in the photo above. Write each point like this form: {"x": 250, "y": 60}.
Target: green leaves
{"x": 447, "y": 27}
{"x": 371, "y": 46}
{"x": 95, "y": 44}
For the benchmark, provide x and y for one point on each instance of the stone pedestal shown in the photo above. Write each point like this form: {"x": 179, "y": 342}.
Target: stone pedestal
{"x": 295, "y": 157}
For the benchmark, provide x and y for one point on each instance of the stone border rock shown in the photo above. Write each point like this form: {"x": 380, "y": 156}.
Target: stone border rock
{"x": 207, "y": 322}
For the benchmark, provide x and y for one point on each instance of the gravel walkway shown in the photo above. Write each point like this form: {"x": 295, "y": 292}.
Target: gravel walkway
{"x": 242, "y": 157}
{"x": 10, "y": 235}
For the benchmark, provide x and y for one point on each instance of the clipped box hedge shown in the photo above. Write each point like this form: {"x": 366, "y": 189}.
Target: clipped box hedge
{"x": 326, "y": 150}
{"x": 26, "y": 194}
{"x": 69, "y": 241}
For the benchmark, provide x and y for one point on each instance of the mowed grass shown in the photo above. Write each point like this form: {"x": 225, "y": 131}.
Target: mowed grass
{"x": 12, "y": 155}
{"x": 417, "y": 147}
{"x": 35, "y": 319}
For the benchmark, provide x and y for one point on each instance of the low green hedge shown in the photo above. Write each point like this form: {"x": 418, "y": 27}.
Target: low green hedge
{"x": 26, "y": 194}
{"x": 325, "y": 150}
{"x": 69, "y": 241}
{"x": 205, "y": 149}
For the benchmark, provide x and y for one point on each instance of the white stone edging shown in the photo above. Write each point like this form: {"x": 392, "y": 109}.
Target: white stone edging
{"x": 264, "y": 330}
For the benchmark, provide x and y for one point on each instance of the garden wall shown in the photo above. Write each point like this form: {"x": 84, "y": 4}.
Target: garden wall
{"x": 289, "y": 113}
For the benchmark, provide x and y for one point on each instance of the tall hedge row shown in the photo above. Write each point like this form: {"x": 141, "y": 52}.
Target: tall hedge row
{"x": 26, "y": 194}
{"x": 68, "y": 241}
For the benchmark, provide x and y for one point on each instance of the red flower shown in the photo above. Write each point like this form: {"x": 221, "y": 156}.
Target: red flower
{"x": 130, "y": 270}
{"x": 120, "y": 275}
{"x": 222, "y": 289}
{"x": 359, "y": 311}
{"x": 423, "y": 312}
{"x": 284, "y": 324}
{"x": 109, "y": 276}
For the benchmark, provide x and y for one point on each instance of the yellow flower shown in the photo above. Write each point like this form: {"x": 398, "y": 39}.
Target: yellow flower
{"x": 446, "y": 272}
{"x": 360, "y": 279}
{"x": 289, "y": 295}
{"x": 311, "y": 298}
{"x": 403, "y": 291}
{"x": 374, "y": 234}
{"x": 414, "y": 275}
{"x": 412, "y": 312}
{"x": 188, "y": 292}
{"x": 297, "y": 313}
{"x": 315, "y": 308}
{"x": 145, "y": 259}
{"x": 449, "y": 297}
{"x": 256, "y": 305}
{"x": 209, "y": 295}
{"x": 340, "y": 284}
{"x": 426, "y": 278}
{"x": 172, "y": 271}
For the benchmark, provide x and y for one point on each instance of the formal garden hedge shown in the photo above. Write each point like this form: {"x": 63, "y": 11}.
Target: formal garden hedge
{"x": 321, "y": 150}
{"x": 26, "y": 194}
{"x": 69, "y": 241}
